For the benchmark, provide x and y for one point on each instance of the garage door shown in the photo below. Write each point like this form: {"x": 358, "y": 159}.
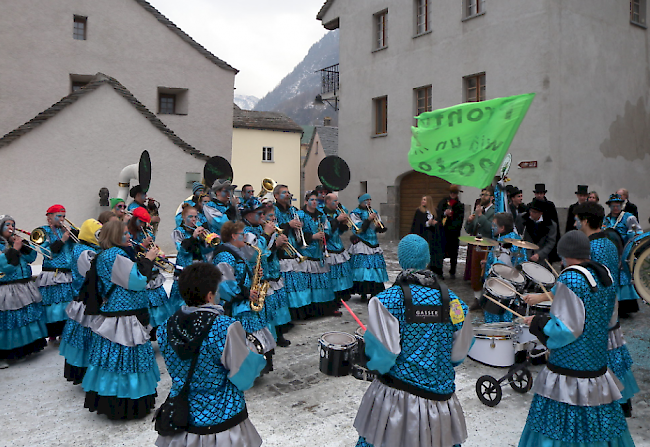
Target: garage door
{"x": 413, "y": 187}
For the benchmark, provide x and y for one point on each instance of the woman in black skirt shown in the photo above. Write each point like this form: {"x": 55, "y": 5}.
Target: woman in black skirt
{"x": 427, "y": 225}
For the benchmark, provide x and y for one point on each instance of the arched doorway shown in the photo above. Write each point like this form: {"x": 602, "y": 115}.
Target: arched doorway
{"x": 412, "y": 187}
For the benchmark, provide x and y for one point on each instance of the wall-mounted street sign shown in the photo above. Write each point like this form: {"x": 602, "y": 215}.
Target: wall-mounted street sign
{"x": 527, "y": 164}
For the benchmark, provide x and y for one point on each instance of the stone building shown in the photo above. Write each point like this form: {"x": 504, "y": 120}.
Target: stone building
{"x": 324, "y": 142}
{"x": 588, "y": 63}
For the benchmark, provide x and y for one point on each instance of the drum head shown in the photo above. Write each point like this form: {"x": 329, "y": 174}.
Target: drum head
{"x": 360, "y": 332}
{"x": 508, "y": 273}
{"x": 487, "y": 331}
{"x": 642, "y": 275}
{"x": 338, "y": 340}
{"x": 538, "y": 273}
{"x": 498, "y": 289}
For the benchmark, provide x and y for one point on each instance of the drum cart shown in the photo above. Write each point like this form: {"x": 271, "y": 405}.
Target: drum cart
{"x": 519, "y": 377}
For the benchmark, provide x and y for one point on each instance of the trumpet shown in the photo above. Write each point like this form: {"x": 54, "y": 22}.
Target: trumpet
{"x": 300, "y": 235}
{"x": 377, "y": 220}
{"x": 36, "y": 239}
{"x": 351, "y": 223}
{"x": 212, "y": 239}
{"x": 289, "y": 249}
{"x": 161, "y": 261}
{"x": 69, "y": 226}
{"x": 323, "y": 243}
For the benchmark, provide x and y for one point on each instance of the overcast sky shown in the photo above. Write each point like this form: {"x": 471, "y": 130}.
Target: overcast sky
{"x": 263, "y": 39}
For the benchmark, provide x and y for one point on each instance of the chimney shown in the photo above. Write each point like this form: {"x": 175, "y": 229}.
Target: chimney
{"x": 327, "y": 121}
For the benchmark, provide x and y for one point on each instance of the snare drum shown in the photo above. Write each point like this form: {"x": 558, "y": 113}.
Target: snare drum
{"x": 498, "y": 291}
{"x": 535, "y": 275}
{"x": 360, "y": 353}
{"x": 542, "y": 309}
{"x": 336, "y": 350}
{"x": 493, "y": 345}
{"x": 508, "y": 274}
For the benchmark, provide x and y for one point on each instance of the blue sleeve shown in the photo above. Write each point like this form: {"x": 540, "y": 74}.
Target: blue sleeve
{"x": 380, "y": 358}
{"x": 228, "y": 290}
{"x": 249, "y": 371}
{"x": 137, "y": 281}
{"x": 558, "y": 333}
{"x": 5, "y": 267}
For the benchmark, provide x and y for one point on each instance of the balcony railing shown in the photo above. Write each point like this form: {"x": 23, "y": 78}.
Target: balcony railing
{"x": 330, "y": 79}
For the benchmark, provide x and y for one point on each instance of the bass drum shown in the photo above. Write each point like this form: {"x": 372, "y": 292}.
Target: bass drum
{"x": 634, "y": 248}
{"x": 641, "y": 273}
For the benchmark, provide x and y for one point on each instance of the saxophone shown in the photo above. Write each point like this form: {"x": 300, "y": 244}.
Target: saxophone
{"x": 256, "y": 284}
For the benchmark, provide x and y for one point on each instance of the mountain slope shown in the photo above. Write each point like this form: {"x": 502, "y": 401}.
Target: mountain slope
{"x": 295, "y": 94}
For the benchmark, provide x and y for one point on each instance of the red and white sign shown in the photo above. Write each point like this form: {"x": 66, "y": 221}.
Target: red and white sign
{"x": 527, "y": 164}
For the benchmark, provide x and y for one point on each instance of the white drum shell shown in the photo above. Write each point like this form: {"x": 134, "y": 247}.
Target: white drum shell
{"x": 493, "y": 347}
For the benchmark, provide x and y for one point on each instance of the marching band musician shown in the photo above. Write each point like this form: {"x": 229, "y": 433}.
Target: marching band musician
{"x": 315, "y": 225}
{"x": 198, "y": 190}
{"x": 76, "y": 338}
{"x": 55, "y": 280}
{"x": 220, "y": 209}
{"x": 623, "y": 222}
{"x": 118, "y": 206}
{"x": 225, "y": 367}
{"x": 339, "y": 258}
{"x": 161, "y": 306}
{"x": 190, "y": 247}
{"x": 575, "y": 400}
{"x": 122, "y": 375}
{"x": 22, "y": 314}
{"x": 139, "y": 197}
{"x": 366, "y": 256}
{"x": 503, "y": 228}
{"x": 589, "y": 220}
{"x": 479, "y": 224}
{"x": 295, "y": 278}
{"x": 413, "y": 402}
{"x": 231, "y": 258}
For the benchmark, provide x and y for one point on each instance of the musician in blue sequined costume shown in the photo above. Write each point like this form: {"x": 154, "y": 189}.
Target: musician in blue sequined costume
{"x": 295, "y": 277}
{"x": 576, "y": 396}
{"x": 190, "y": 247}
{"x": 231, "y": 258}
{"x": 220, "y": 209}
{"x": 366, "y": 256}
{"x": 627, "y": 226}
{"x": 76, "y": 339}
{"x": 198, "y": 190}
{"x": 503, "y": 228}
{"x": 225, "y": 367}
{"x": 315, "y": 225}
{"x": 589, "y": 219}
{"x": 55, "y": 280}
{"x": 413, "y": 402}
{"x": 260, "y": 233}
{"x": 161, "y": 306}
{"x": 122, "y": 375}
{"x": 22, "y": 315}
{"x": 339, "y": 258}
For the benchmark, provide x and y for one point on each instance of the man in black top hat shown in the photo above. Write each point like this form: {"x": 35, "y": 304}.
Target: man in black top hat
{"x": 550, "y": 213}
{"x": 452, "y": 212}
{"x": 540, "y": 230}
{"x": 582, "y": 194}
{"x": 516, "y": 204}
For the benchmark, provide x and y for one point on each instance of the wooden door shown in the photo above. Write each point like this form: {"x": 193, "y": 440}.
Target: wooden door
{"x": 413, "y": 187}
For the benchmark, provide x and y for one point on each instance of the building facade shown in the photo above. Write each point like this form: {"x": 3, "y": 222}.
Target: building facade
{"x": 265, "y": 145}
{"x": 587, "y": 64}
{"x": 324, "y": 142}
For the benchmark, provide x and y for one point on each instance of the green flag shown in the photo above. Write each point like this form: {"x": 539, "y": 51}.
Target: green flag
{"x": 465, "y": 144}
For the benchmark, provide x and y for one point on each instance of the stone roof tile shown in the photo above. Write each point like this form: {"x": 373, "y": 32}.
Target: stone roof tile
{"x": 252, "y": 119}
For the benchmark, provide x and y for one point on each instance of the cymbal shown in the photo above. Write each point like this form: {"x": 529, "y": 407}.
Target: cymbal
{"x": 480, "y": 241}
{"x": 521, "y": 244}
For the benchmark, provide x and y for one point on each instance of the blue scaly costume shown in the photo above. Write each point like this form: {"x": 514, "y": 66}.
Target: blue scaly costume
{"x": 22, "y": 315}
{"x": 575, "y": 402}
{"x": 188, "y": 251}
{"x": 122, "y": 375}
{"x": 367, "y": 257}
{"x": 339, "y": 259}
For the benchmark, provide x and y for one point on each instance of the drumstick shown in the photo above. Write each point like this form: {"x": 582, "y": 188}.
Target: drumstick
{"x": 552, "y": 269}
{"x": 505, "y": 307}
{"x": 546, "y": 292}
{"x": 353, "y": 315}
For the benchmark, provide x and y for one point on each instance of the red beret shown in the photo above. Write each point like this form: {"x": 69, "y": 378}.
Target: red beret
{"x": 55, "y": 209}
{"x": 142, "y": 214}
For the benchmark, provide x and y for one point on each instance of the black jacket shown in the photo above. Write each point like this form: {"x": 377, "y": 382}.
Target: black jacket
{"x": 455, "y": 222}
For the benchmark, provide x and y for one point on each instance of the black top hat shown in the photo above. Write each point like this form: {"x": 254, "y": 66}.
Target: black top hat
{"x": 538, "y": 205}
{"x": 583, "y": 189}
{"x": 515, "y": 191}
{"x": 135, "y": 190}
{"x": 540, "y": 187}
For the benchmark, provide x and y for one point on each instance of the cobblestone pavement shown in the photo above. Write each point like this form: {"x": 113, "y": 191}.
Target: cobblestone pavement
{"x": 295, "y": 405}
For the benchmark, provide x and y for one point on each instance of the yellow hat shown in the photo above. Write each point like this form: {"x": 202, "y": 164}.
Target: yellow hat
{"x": 89, "y": 231}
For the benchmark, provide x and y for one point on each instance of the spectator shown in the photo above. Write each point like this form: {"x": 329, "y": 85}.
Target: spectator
{"x": 426, "y": 225}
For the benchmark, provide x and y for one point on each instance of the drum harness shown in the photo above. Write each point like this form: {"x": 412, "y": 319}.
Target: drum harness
{"x": 426, "y": 314}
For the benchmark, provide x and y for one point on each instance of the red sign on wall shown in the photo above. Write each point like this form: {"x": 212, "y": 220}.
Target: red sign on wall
{"x": 527, "y": 164}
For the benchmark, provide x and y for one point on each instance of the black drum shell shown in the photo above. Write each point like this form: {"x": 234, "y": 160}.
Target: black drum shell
{"x": 360, "y": 357}
{"x": 336, "y": 359}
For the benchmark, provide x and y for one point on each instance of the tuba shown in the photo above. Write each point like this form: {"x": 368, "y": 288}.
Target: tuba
{"x": 268, "y": 185}
{"x": 256, "y": 283}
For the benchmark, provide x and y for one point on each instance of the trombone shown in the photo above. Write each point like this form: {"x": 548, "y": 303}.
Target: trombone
{"x": 161, "y": 261}
{"x": 351, "y": 223}
{"x": 290, "y": 249}
{"x": 36, "y": 239}
{"x": 69, "y": 226}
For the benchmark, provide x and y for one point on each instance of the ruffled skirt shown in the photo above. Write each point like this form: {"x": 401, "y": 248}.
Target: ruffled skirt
{"x": 368, "y": 273}
{"x": 242, "y": 435}
{"x": 390, "y": 417}
{"x": 75, "y": 347}
{"x": 22, "y": 331}
{"x": 55, "y": 299}
{"x": 620, "y": 362}
{"x": 341, "y": 276}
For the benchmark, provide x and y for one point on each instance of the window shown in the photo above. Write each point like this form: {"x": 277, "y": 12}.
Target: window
{"x": 474, "y": 87}
{"x": 79, "y": 30}
{"x": 380, "y": 29}
{"x": 637, "y": 12}
{"x": 78, "y": 81}
{"x": 421, "y": 17}
{"x": 381, "y": 115}
{"x": 267, "y": 154}
{"x": 167, "y": 104}
{"x": 191, "y": 177}
{"x": 474, "y": 7}
{"x": 363, "y": 187}
{"x": 172, "y": 101}
{"x": 422, "y": 100}
{"x": 77, "y": 85}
